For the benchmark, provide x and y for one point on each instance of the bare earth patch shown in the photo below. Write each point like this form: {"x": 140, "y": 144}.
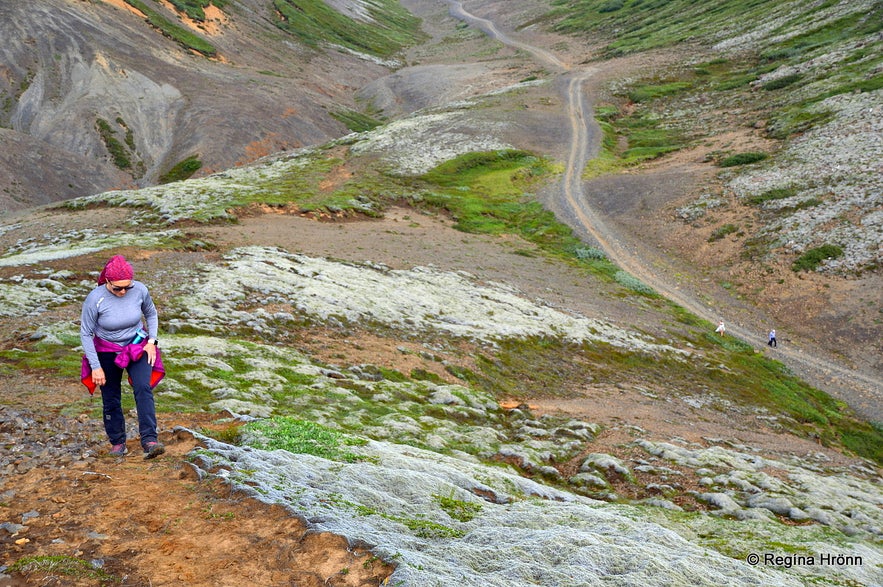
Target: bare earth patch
{"x": 153, "y": 523}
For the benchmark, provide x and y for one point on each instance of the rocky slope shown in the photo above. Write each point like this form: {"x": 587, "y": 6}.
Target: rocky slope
{"x": 71, "y": 66}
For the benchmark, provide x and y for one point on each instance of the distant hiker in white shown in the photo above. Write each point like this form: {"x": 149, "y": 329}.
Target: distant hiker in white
{"x": 772, "y": 339}
{"x": 721, "y": 329}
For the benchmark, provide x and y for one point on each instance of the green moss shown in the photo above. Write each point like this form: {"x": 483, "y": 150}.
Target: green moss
{"x": 195, "y": 9}
{"x": 66, "y": 566}
{"x": 182, "y": 170}
{"x": 647, "y": 93}
{"x": 742, "y": 159}
{"x": 487, "y": 193}
{"x": 117, "y": 150}
{"x": 782, "y": 82}
{"x": 811, "y": 259}
{"x": 733, "y": 81}
{"x": 302, "y": 437}
{"x": 182, "y": 36}
{"x": 640, "y": 136}
{"x": 424, "y": 375}
{"x": 461, "y": 373}
{"x": 773, "y": 194}
{"x": 296, "y": 378}
{"x": 230, "y": 434}
{"x": 356, "y": 121}
{"x": 871, "y": 84}
{"x": 423, "y": 528}
{"x": 49, "y": 357}
{"x": 795, "y": 120}
{"x": 315, "y": 23}
{"x": 864, "y": 439}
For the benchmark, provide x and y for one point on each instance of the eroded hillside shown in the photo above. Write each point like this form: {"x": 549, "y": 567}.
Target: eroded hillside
{"x": 112, "y": 94}
{"x": 387, "y": 337}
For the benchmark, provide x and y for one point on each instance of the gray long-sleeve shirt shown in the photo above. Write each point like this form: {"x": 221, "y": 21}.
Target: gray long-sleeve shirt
{"x": 116, "y": 319}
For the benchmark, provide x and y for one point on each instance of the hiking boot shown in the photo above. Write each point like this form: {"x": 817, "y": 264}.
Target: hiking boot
{"x": 118, "y": 450}
{"x": 153, "y": 449}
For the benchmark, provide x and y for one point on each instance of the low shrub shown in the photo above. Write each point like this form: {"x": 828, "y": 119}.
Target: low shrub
{"x": 182, "y": 170}
{"x": 811, "y": 259}
{"x": 773, "y": 194}
{"x": 356, "y": 121}
{"x": 631, "y": 282}
{"x": 654, "y": 91}
{"x": 590, "y": 253}
{"x": 611, "y": 6}
{"x": 743, "y": 159}
{"x": 116, "y": 149}
{"x": 782, "y": 82}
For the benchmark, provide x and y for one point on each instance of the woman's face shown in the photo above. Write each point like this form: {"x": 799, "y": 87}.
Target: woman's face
{"x": 119, "y": 288}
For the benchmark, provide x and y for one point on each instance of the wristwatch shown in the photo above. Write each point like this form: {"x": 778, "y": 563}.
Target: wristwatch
{"x": 153, "y": 341}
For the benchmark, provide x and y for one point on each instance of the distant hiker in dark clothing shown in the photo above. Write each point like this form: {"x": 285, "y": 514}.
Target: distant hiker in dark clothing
{"x": 114, "y": 338}
{"x": 772, "y": 339}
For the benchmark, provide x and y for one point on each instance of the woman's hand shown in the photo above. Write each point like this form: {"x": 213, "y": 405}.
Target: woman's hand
{"x": 98, "y": 377}
{"x": 150, "y": 349}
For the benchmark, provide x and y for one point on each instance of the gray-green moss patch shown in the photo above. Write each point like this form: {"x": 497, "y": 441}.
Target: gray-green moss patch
{"x": 253, "y": 279}
{"x": 80, "y": 242}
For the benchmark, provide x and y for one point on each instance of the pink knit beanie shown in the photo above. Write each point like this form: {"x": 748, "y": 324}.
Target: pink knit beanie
{"x": 116, "y": 269}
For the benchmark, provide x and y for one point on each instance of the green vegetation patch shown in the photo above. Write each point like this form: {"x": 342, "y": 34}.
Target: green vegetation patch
{"x": 182, "y": 170}
{"x": 486, "y": 193}
{"x": 782, "y": 82}
{"x": 754, "y": 379}
{"x": 742, "y": 159}
{"x": 356, "y": 121}
{"x": 796, "y": 119}
{"x": 645, "y": 93}
{"x": 536, "y": 367}
{"x": 634, "y": 26}
{"x": 462, "y": 511}
{"x": 424, "y": 528}
{"x": 118, "y": 151}
{"x": 66, "y": 566}
{"x": 631, "y": 282}
{"x": 315, "y": 23}
{"x": 811, "y": 259}
{"x": 812, "y": 38}
{"x": 195, "y": 9}
{"x": 772, "y": 194}
{"x": 640, "y": 135}
{"x": 302, "y": 437}
{"x": 489, "y": 193}
{"x": 180, "y": 35}
{"x": 58, "y": 359}
{"x": 796, "y": 36}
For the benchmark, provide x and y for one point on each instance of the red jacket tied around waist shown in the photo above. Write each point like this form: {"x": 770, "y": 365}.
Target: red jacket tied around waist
{"x": 125, "y": 355}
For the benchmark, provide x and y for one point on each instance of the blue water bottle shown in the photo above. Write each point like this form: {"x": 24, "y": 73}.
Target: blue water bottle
{"x": 139, "y": 336}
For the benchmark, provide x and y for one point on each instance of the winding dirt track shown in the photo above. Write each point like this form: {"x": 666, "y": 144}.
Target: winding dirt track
{"x": 863, "y": 392}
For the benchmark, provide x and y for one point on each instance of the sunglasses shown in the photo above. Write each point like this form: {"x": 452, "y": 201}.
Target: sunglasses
{"x": 118, "y": 288}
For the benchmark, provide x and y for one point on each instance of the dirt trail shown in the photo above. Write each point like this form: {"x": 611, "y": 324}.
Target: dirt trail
{"x": 863, "y": 391}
